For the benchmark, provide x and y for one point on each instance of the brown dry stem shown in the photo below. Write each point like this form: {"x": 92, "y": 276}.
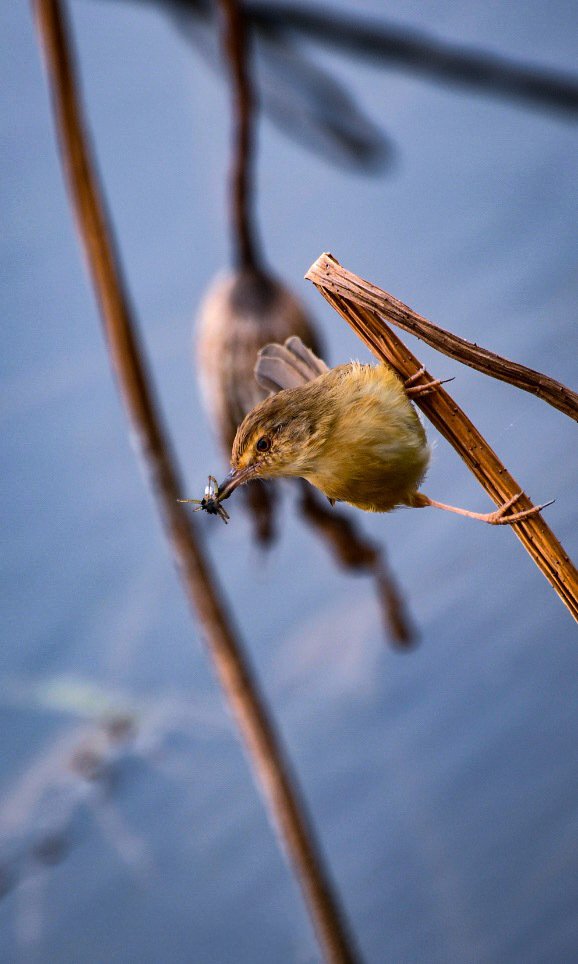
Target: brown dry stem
{"x": 234, "y": 35}
{"x": 451, "y": 422}
{"x": 239, "y": 684}
{"x": 349, "y": 286}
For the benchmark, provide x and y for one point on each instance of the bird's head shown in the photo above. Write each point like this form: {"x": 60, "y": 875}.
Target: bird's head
{"x": 280, "y": 437}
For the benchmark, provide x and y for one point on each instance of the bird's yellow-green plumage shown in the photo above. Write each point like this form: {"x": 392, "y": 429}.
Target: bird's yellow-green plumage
{"x": 352, "y": 432}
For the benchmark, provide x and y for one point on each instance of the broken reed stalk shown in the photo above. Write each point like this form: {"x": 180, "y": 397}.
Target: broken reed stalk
{"x": 234, "y": 36}
{"x": 253, "y": 720}
{"x": 347, "y": 285}
{"x": 452, "y": 422}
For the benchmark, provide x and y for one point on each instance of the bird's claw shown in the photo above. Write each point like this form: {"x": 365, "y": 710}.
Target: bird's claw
{"x": 499, "y": 517}
{"x": 416, "y": 391}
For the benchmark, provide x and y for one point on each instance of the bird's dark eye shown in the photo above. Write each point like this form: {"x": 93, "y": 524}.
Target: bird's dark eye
{"x": 263, "y": 444}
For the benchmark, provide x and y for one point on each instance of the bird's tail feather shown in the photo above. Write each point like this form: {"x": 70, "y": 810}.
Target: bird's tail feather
{"x": 287, "y": 366}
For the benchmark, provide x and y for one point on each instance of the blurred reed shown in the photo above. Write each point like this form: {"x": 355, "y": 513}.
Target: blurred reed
{"x": 417, "y": 52}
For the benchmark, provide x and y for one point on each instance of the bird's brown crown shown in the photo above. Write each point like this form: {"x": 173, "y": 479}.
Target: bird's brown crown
{"x": 281, "y": 435}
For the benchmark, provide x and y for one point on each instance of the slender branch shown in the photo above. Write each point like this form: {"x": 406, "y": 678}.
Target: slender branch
{"x": 456, "y": 427}
{"x": 347, "y": 285}
{"x": 236, "y": 49}
{"x": 236, "y": 677}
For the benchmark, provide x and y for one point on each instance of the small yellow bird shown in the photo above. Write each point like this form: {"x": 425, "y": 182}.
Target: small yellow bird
{"x": 351, "y": 431}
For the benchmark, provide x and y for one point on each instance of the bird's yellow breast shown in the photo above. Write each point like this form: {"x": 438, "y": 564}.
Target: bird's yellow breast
{"x": 376, "y": 454}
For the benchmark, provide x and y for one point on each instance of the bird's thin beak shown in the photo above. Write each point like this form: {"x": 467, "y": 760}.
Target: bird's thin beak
{"x": 235, "y": 478}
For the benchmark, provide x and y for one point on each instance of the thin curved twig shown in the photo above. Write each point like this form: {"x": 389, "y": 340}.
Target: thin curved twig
{"x": 347, "y": 285}
{"x": 254, "y": 722}
{"x": 533, "y": 532}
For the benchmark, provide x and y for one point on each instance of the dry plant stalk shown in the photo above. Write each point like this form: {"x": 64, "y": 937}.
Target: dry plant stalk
{"x": 347, "y": 285}
{"x": 236, "y": 677}
{"x": 540, "y": 542}
{"x": 235, "y": 43}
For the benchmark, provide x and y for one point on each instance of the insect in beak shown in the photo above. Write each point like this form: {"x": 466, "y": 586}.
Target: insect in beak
{"x": 235, "y": 478}
{"x": 215, "y": 493}
{"x": 210, "y": 502}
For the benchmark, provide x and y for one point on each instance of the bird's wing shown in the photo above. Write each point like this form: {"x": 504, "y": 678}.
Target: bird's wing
{"x": 287, "y": 366}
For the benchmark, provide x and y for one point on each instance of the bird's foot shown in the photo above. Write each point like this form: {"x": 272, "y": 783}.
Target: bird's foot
{"x": 416, "y": 391}
{"x": 499, "y": 517}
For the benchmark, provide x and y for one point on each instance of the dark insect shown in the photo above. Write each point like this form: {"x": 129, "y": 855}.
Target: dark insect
{"x": 210, "y": 501}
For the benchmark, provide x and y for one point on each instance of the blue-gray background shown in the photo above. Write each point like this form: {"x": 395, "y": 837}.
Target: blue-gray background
{"x": 442, "y": 783}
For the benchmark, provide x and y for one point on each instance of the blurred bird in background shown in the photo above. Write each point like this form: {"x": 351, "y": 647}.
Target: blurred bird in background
{"x": 240, "y": 314}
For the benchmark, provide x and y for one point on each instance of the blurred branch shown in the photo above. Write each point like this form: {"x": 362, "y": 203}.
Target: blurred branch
{"x": 199, "y": 582}
{"x": 456, "y": 427}
{"x": 348, "y": 285}
{"x": 419, "y": 53}
{"x": 235, "y": 46}
{"x": 355, "y": 552}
